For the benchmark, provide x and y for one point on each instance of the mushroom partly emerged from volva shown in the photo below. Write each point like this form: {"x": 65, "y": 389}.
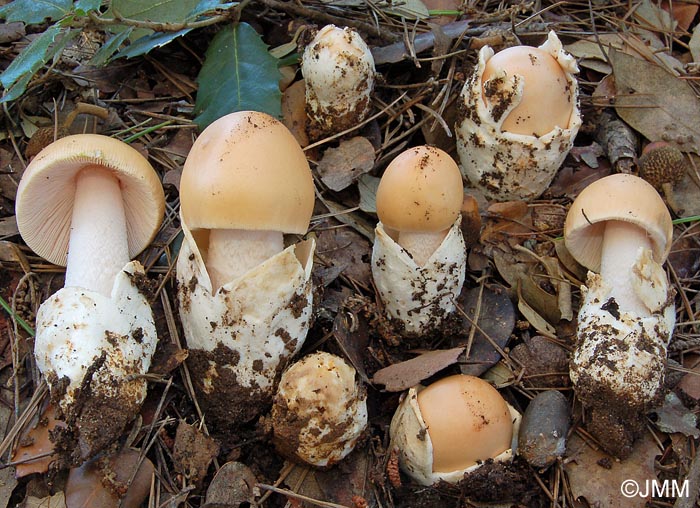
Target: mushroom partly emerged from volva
{"x": 620, "y": 229}
{"x": 245, "y": 299}
{"x": 518, "y": 117}
{"x": 319, "y": 411}
{"x": 419, "y": 256}
{"x": 91, "y": 203}
{"x": 451, "y": 427}
{"x": 338, "y": 70}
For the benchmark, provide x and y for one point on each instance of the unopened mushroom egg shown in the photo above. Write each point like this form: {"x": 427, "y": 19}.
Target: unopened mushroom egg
{"x": 338, "y": 70}
{"x": 320, "y": 410}
{"x": 518, "y": 117}
{"x": 451, "y": 427}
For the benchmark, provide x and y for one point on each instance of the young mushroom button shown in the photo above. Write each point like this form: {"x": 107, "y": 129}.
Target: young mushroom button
{"x": 620, "y": 229}
{"x": 419, "y": 198}
{"x": 419, "y": 256}
{"x": 452, "y": 427}
{"x": 338, "y": 70}
{"x": 517, "y": 119}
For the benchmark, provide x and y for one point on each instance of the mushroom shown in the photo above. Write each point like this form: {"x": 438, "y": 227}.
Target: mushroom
{"x": 518, "y": 118}
{"x": 91, "y": 203}
{"x": 620, "y": 229}
{"x": 663, "y": 165}
{"x": 419, "y": 256}
{"x": 319, "y": 411}
{"x": 338, "y": 70}
{"x": 245, "y": 300}
{"x": 451, "y": 427}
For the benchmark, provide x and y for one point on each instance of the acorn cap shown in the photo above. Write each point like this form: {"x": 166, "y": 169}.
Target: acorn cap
{"x": 247, "y": 171}
{"x": 44, "y": 203}
{"x": 420, "y": 191}
{"x": 620, "y": 197}
{"x": 662, "y": 163}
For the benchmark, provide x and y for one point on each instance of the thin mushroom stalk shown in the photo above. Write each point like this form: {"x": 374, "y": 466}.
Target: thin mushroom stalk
{"x": 96, "y": 336}
{"x": 234, "y": 252}
{"x": 98, "y": 240}
{"x": 620, "y": 229}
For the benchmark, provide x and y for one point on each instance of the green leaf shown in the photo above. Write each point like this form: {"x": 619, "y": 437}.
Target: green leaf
{"x": 35, "y": 11}
{"x": 238, "y": 74}
{"x": 159, "y": 11}
{"x": 82, "y": 7}
{"x": 104, "y": 54}
{"x": 156, "y": 11}
{"x": 42, "y": 49}
{"x": 146, "y": 43}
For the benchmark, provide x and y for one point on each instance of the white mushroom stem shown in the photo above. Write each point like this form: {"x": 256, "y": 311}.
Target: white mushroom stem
{"x": 622, "y": 242}
{"x": 421, "y": 245}
{"x": 234, "y": 252}
{"x": 98, "y": 248}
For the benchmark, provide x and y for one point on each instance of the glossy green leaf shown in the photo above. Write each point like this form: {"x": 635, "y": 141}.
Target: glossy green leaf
{"x": 35, "y": 11}
{"x": 149, "y": 42}
{"x": 109, "y": 48}
{"x": 42, "y": 49}
{"x": 238, "y": 74}
{"x": 82, "y": 7}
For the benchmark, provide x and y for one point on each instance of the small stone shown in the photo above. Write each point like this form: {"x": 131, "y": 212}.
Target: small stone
{"x": 542, "y": 436}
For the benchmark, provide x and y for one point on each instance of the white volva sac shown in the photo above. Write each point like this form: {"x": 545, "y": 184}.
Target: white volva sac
{"x": 105, "y": 343}
{"x": 419, "y": 296}
{"x": 505, "y": 164}
{"x": 320, "y": 410}
{"x": 261, "y": 318}
{"x": 622, "y": 352}
{"x": 338, "y": 69}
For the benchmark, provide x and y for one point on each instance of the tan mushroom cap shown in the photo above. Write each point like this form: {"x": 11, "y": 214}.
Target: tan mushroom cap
{"x": 546, "y": 100}
{"x": 420, "y": 191}
{"x": 247, "y": 171}
{"x": 468, "y": 421}
{"x": 620, "y": 197}
{"x": 44, "y": 204}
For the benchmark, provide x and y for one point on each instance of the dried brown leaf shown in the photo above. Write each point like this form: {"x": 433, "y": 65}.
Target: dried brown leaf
{"x": 350, "y": 331}
{"x": 105, "y": 483}
{"x": 496, "y": 319}
{"x": 294, "y": 111}
{"x": 336, "y": 485}
{"x": 403, "y": 375}
{"x": 656, "y": 103}
{"x": 35, "y": 442}
{"x": 690, "y": 384}
{"x": 233, "y": 485}
{"x": 596, "y": 477}
{"x": 193, "y": 452}
{"x": 341, "y": 167}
